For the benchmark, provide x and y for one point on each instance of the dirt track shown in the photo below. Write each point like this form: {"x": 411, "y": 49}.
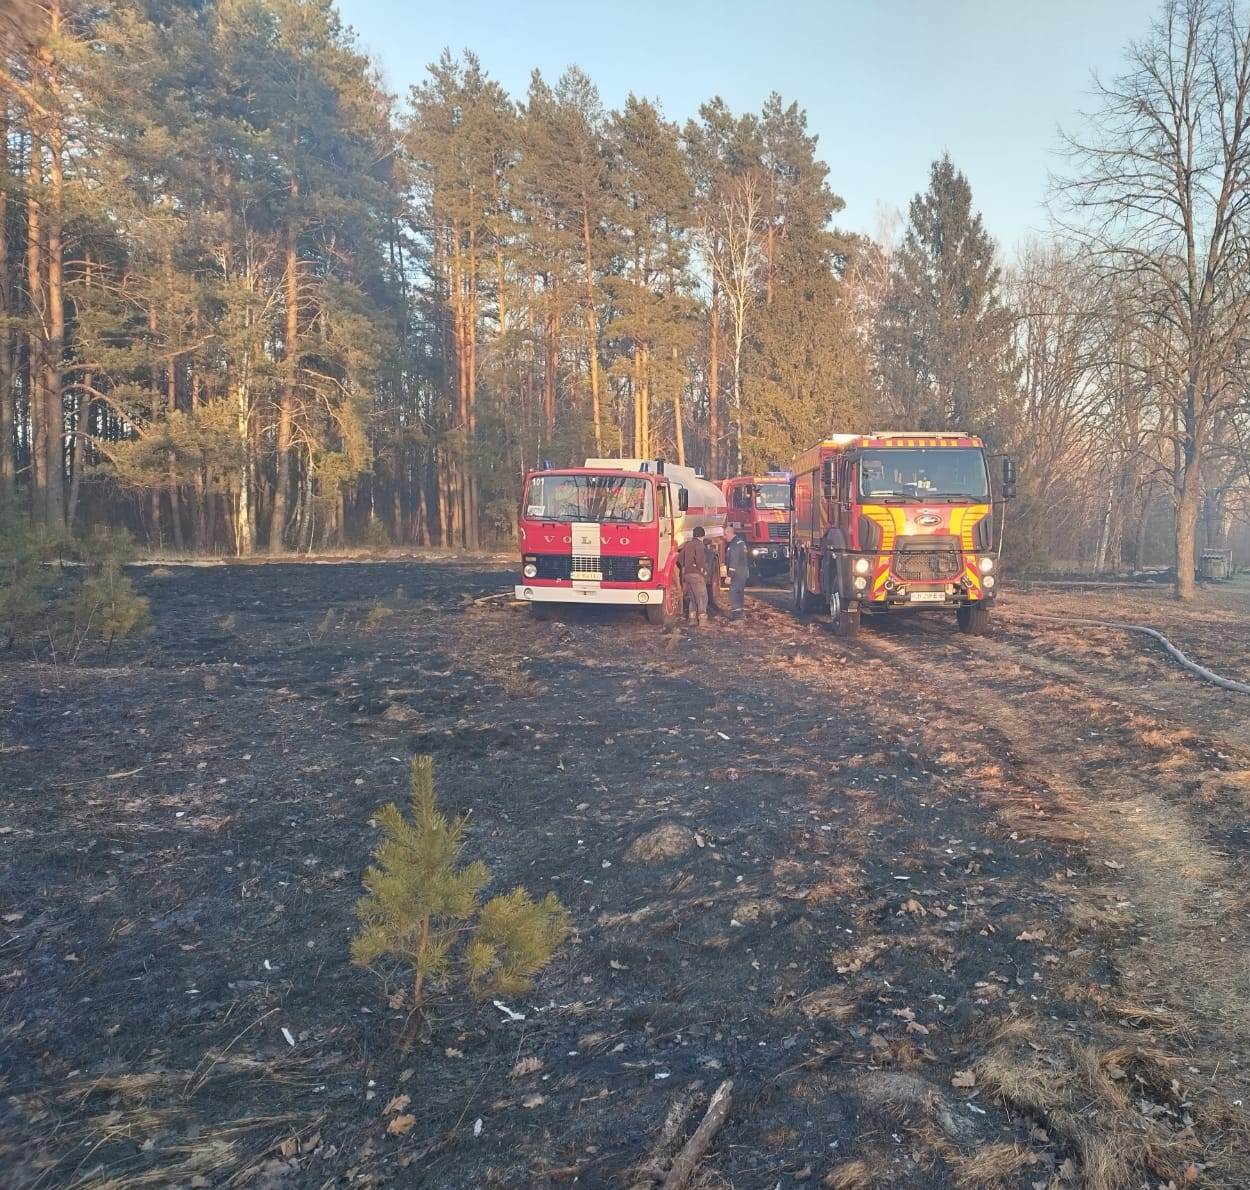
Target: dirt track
{"x": 922, "y": 855}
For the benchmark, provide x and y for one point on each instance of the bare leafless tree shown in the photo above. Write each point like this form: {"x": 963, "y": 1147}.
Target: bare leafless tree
{"x": 1160, "y": 192}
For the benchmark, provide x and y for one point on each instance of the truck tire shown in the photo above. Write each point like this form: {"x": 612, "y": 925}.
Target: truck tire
{"x": 665, "y": 615}
{"x": 804, "y": 601}
{"x": 843, "y": 620}
{"x": 973, "y": 619}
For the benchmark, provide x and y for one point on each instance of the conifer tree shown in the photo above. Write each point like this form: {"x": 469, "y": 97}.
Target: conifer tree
{"x": 422, "y": 908}
{"x": 945, "y": 337}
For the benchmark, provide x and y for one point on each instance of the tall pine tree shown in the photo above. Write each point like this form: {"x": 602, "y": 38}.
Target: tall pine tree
{"x": 946, "y": 355}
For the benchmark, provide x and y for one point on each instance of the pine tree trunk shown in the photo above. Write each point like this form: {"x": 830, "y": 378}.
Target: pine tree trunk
{"x": 592, "y": 335}
{"x": 470, "y": 488}
{"x": 678, "y": 429}
{"x": 243, "y": 527}
{"x": 54, "y": 359}
{"x": 549, "y": 372}
{"x": 286, "y": 410}
{"x": 78, "y": 449}
{"x": 646, "y": 405}
{"x": 458, "y": 471}
{"x": 636, "y": 388}
{"x": 36, "y": 405}
{"x": 8, "y": 458}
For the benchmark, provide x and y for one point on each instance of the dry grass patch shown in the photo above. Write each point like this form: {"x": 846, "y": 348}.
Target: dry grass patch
{"x": 1161, "y": 740}
{"x": 988, "y": 1166}
{"x": 1113, "y": 1110}
{"x": 850, "y": 1175}
{"x": 1125, "y": 1010}
{"x": 855, "y": 959}
{"x": 828, "y": 1004}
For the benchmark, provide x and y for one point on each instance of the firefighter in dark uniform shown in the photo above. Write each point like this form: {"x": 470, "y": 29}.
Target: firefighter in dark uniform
{"x": 738, "y": 564}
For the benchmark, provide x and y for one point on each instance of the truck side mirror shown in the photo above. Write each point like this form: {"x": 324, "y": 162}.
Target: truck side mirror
{"x": 1007, "y": 489}
{"x": 683, "y": 500}
{"x": 828, "y": 479}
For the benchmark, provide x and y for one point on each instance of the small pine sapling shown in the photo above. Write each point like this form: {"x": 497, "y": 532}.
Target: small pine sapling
{"x": 23, "y": 577}
{"x": 514, "y": 940}
{"x": 423, "y": 909}
{"x": 106, "y": 604}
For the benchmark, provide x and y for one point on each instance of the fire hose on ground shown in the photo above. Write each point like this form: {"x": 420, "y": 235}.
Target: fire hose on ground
{"x": 1193, "y": 667}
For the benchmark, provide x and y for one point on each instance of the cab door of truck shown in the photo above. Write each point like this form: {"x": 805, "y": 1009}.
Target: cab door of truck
{"x": 664, "y": 517}
{"x": 741, "y": 508}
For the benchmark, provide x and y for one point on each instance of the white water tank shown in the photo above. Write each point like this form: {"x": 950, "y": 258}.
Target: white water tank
{"x": 706, "y": 502}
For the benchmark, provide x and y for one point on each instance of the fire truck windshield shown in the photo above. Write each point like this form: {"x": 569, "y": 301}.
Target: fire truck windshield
{"x": 919, "y": 473}
{"x": 772, "y": 495}
{"x": 590, "y": 498}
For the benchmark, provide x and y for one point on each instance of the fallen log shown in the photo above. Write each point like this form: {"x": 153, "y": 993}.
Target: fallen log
{"x": 652, "y": 1170}
{"x": 692, "y": 1151}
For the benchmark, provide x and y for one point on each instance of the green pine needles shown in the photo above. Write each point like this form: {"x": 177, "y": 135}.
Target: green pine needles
{"x": 424, "y": 910}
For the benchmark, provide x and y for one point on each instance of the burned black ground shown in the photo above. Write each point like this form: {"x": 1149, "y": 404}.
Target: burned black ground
{"x": 878, "y": 885}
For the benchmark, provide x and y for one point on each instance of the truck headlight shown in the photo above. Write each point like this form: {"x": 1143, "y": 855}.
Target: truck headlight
{"x": 530, "y": 570}
{"x": 860, "y": 583}
{"x": 644, "y": 570}
{"x": 987, "y": 564}
{"x": 862, "y": 566}
{"x": 989, "y": 580}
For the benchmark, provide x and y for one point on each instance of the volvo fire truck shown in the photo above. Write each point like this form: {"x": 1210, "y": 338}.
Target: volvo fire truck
{"x": 896, "y": 521}
{"x": 759, "y": 510}
{"x": 609, "y": 533}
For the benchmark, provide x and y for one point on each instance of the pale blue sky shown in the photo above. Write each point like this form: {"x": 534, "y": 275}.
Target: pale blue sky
{"x": 888, "y": 84}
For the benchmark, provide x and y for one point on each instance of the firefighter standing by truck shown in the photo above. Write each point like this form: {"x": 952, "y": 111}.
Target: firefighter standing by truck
{"x": 738, "y": 563}
{"x": 693, "y": 561}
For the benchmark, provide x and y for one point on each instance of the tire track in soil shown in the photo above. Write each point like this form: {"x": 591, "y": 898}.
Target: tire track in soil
{"x": 1173, "y": 874}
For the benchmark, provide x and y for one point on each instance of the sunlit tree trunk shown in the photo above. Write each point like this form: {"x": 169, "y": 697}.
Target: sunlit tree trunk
{"x": 55, "y": 348}
{"x": 8, "y": 459}
{"x": 35, "y": 403}
{"x": 286, "y": 409}
{"x": 592, "y": 333}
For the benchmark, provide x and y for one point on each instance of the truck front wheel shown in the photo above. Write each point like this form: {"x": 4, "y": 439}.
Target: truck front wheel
{"x": 974, "y": 619}
{"x": 664, "y": 615}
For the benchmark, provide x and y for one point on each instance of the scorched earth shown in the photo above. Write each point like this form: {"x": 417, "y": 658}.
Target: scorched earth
{"x": 948, "y": 911}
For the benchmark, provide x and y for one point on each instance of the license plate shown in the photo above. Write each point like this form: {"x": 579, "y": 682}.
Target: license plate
{"x": 927, "y": 596}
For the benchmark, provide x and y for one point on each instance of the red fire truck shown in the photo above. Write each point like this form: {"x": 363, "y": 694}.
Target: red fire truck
{"x": 890, "y": 521}
{"x": 609, "y": 533}
{"x": 759, "y": 509}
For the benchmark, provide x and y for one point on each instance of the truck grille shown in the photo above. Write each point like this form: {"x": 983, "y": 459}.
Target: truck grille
{"x": 778, "y": 532}
{"x": 611, "y": 568}
{"x": 937, "y": 561}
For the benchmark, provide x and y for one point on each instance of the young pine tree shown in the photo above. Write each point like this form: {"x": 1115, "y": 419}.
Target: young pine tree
{"x": 105, "y": 605}
{"x": 23, "y": 576}
{"x": 421, "y": 908}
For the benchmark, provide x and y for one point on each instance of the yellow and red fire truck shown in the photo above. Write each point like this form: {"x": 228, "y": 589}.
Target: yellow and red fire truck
{"x": 609, "y": 533}
{"x": 759, "y": 509}
{"x": 894, "y": 521}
